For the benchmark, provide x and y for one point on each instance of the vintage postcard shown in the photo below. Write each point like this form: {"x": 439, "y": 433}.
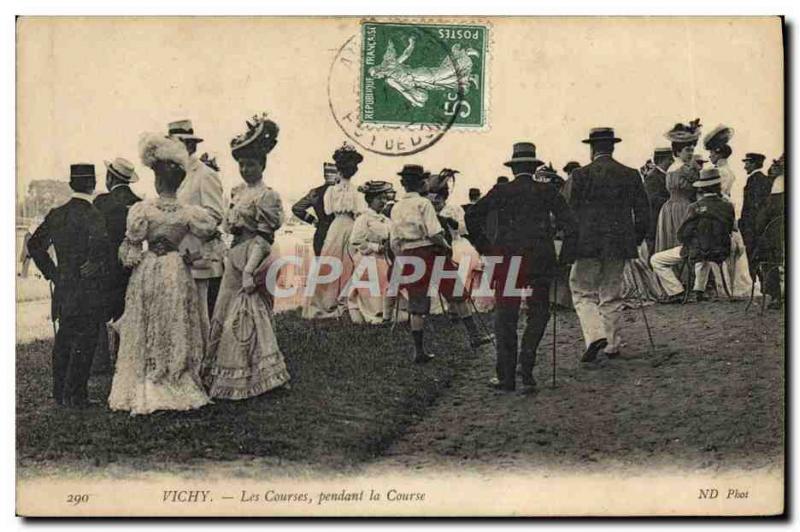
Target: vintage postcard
{"x": 400, "y": 266}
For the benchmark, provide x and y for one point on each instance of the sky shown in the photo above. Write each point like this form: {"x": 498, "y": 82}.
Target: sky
{"x": 87, "y": 88}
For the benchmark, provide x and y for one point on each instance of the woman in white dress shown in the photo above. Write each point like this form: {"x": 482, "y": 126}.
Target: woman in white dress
{"x": 345, "y": 202}
{"x": 369, "y": 242}
{"x": 161, "y": 340}
{"x": 244, "y": 359}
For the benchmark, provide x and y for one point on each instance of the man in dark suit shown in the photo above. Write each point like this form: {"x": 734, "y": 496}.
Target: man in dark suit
{"x": 524, "y": 235}
{"x": 114, "y": 206}
{"x": 756, "y": 192}
{"x": 77, "y": 231}
{"x": 655, "y": 185}
{"x": 314, "y": 200}
{"x": 610, "y": 203}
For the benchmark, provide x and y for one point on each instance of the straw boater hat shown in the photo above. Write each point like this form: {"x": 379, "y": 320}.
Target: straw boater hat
{"x": 259, "y": 139}
{"x": 376, "y": 187}
{"x": 122, "y": 169}
{"x": 81, "y": 170}
{"x": 718, "y": 137}
{"x": 347, "y": 152}
{"x": 708, "y": 178}
{"x": 524, "y": 152}
{"x": 182, "y": 130}
{"x": 685, "y": 133}
{"x": 600, "y": 134}
{"x": 154, "y": 147}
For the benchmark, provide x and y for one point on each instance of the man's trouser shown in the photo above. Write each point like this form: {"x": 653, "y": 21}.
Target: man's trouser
{"x": 596, "y": 286}
{"x": 505, "y": 329}
{"x": 73, "y": 351}
{"x": 665, "y": 261}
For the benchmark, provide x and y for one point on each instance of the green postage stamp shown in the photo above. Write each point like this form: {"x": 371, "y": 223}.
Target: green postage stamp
{"x": 423, "y": 74}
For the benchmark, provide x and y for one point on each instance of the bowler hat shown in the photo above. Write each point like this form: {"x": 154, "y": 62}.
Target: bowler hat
{"x": 474, "y": 192}
{"x": 718, "y": 137}
{"x": 81, "y": 170}
{"x": 122, "y": 169}
{"x": 708, "y": 178}
{"x": 570, "y": 166}
{"x": 182, "y": 130}
{"x": 755, "y": 157}
{"x": 600, "y": 134}
{"x": 412, "y": 171}
{"x": 524, "y": 152}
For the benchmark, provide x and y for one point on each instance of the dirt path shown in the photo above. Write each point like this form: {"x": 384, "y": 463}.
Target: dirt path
{"x": 711, "y": 399}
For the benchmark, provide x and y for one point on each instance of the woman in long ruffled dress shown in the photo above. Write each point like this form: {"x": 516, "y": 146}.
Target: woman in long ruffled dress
{"x": 244, "y": 359}
{"x": 369, "y": 243}
{"x": 345, "y": 202}
{"x": 161, "y": 343}
{"x": 679, "y": 181}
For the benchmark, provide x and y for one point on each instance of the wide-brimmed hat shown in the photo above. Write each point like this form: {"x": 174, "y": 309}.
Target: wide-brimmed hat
{"x": 685, "y": 133}
{"x": 662, "y": 152}
{"x": 523, "y": 152}
{"x": 545, "y": 174}
{"x": 570, "y": 166}
{"x": 376, "y": 187}
{"x": 154, "y": 147}
{"x": 259, "y": 139}
{"x": 122, "y": 169}
{"x": 81, "y": 170}
{"x": 708, "y": 178}
{"x": 755, "y": 157}
{"x": 413, "y": 171}
{"x": 182, "y": 130}
{"x": 347, "y": 152}
{"x": 718, "y": 137}
{"x": 601, "y": 134}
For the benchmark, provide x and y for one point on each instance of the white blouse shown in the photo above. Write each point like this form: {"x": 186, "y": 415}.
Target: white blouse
{"x": 344, "y": 198}
{"x": 370, "y": 233}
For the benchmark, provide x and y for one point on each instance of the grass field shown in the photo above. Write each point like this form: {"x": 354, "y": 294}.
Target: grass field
{"x": 352, "y": 393}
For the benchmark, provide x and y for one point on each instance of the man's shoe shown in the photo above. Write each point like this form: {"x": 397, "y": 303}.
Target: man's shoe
{"x": 699, "y": 295}
{"x": 528, "y": 385}
{"x": 423, "y": 358}
{"x": 595, "y": 347}
{"x": 495, "y": 384}
{"x": 478, "y": 341}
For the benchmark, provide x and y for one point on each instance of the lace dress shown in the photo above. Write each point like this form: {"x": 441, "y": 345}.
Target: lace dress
{"x": 161, "y": 340}
{"x": 345, "y": 202}
{"x": 244, "y": 359}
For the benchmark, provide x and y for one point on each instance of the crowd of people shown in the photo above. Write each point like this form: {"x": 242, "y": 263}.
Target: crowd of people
{"x": 192, "y": 314}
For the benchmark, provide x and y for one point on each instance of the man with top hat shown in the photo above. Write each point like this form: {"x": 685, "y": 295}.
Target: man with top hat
{"x": 78, "y": 233}
{"x": 314, "y": 200}
{"x": 114, "y": 205}
{"x": 202, "y": 187}
{"x": 655, "y": 186}
{"x": 416, "y": 233}
{"x": 705, "y": 238}
{"x": 525, "y": 235}
{"x": 756, "y": 192}
{"x": 613, "y": 214}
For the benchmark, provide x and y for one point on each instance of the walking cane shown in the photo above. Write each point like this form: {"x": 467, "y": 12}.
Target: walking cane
{"x": 644, "y": 314}
{"x": 555, "y": 320}
{"x": 52, "y": 303}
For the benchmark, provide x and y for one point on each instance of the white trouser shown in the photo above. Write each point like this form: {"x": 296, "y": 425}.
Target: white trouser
{"x": 597, "y": 295}
{"x": 664, "y": 262}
